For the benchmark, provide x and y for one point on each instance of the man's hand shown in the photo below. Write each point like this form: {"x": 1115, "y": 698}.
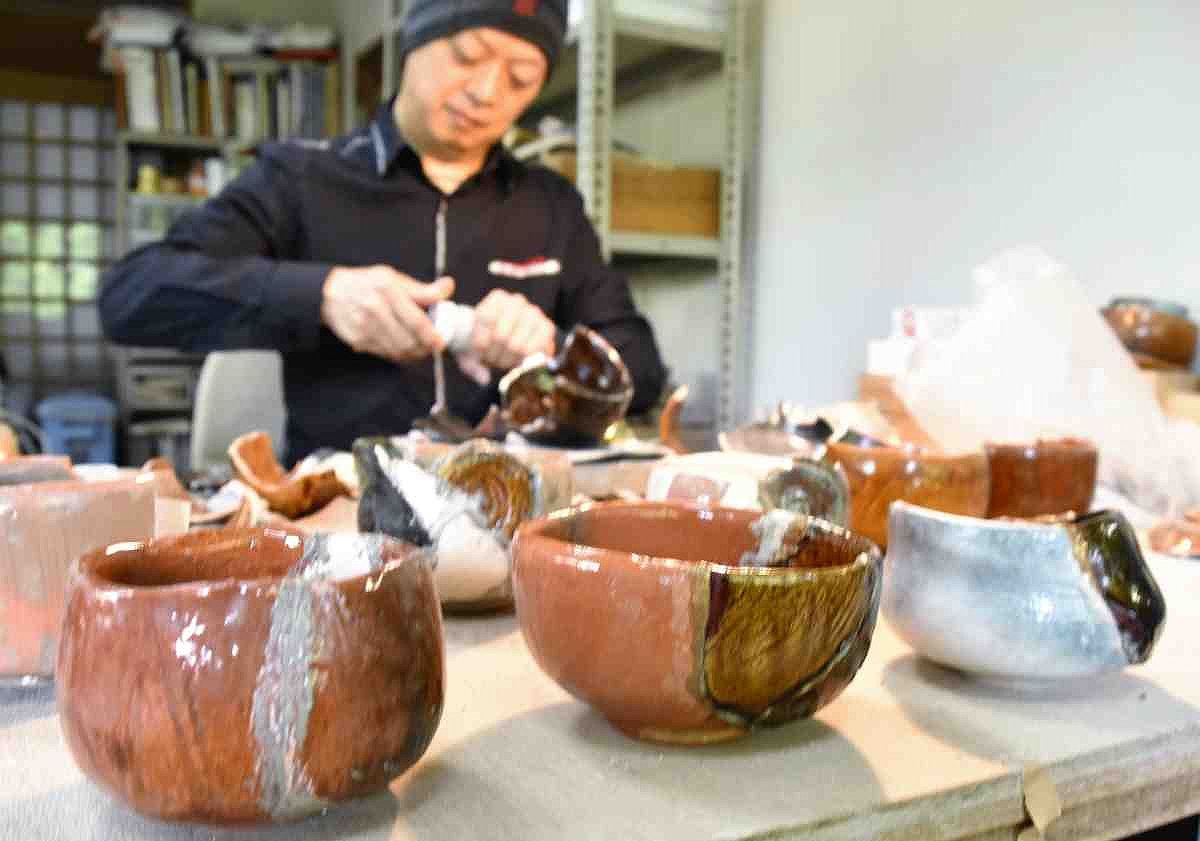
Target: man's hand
{"x": 508, "y": 328}
{"x": 380, "y": 311}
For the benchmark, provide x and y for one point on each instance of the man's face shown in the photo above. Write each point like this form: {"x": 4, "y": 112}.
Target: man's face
{"x": 470, "y": 88}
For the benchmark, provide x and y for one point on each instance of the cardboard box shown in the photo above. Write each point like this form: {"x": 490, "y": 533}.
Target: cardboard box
{"x": 655, "y": 199}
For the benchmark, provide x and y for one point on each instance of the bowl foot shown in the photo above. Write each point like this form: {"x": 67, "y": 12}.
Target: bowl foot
{"x": 686, "y": 736}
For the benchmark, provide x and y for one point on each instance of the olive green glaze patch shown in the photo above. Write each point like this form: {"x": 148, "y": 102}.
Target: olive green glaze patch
{"x": 1107, "y": 551}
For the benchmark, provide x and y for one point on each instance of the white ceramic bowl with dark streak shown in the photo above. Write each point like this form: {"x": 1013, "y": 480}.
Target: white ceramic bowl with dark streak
{"x": 1020, "y": 601}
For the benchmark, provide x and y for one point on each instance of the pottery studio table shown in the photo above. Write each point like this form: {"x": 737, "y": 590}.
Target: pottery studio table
{"x": 909, "y": 751}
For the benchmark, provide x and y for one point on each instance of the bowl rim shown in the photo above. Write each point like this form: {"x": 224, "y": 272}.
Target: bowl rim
{"x": 83, "y": 568}
{"x": 534, "y": 531}
{"x": 908, "y": 451}
{"x": 902, "y": 507}
{"x": 1156, "y": 305}
{"x": 1064, "y": 443}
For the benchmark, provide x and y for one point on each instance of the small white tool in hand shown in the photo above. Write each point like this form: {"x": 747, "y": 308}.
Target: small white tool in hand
{"x": 455, "y": 323}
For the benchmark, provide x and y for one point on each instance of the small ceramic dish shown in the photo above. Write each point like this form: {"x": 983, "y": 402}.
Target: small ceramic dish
{"x": 1019, "y": 601}
{"x": 752, "y": 481}
{"x": 692, "y": 625}
{"x": 1158, "y": 330}
{"x": 571, "y": 399}
{"x": 1042, "y": 478}
{"x": 880, "y": 474}
{"x": 246, "y": 676}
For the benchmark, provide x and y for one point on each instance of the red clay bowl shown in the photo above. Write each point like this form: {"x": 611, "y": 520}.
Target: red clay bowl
{"x": 879, "y": 475}
{"x": 249, "y": 675}
{"x": 1042, "y": 478}
{"x": 695, "y": 625}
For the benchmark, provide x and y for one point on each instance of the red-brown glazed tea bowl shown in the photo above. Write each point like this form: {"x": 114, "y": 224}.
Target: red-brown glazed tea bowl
{"x": 692, "y": 625}
{"x": 880, "y": 474}
{"x": 1041, "y": 478}
{"x": 250, "y": 675}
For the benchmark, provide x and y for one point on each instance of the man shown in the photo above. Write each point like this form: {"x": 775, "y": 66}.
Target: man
{"x": 331, "y": 253}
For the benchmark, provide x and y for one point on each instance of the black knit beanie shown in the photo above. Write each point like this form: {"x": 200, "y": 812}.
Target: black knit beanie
{"x": 541, "y": 22}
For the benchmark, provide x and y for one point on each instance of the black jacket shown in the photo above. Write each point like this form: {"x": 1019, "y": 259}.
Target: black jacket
{"x": 245, "y": 270}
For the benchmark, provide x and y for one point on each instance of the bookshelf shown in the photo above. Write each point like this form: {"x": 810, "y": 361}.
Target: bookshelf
{"x": 188, "y": 121}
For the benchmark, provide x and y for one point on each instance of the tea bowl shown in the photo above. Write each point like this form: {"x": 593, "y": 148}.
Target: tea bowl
{"x": 1040, "y": 478}
{"x": 1017, "y": 601}
{"x": 753, "y": 481}
{"x": 1159, "y": 330}
{"x": 249, "y": 675}
{"x": 692, "y": 625}
{"x": 880, "y": 474}
{"x": 571, "y": 399}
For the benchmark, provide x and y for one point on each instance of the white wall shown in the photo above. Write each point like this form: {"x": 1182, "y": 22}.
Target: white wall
{"x": 906, "y": 141}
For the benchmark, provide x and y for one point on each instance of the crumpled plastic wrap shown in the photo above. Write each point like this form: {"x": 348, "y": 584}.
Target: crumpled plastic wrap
{"x": 1034, "y": 359}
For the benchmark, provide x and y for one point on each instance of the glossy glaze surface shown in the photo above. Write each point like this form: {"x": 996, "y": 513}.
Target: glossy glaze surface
{"x": 880, "y": 475}
{"x": 464, "y": 504}
{"x": 249, "y": 676}
{"x": 699, "y": 624}
{"x": 1161, "y": 333}
{"x": 1021, "y": 601}
{"x": 573, "y": 398}
{"x": 1045, "y": 477}
{"x": 44, "y": 527}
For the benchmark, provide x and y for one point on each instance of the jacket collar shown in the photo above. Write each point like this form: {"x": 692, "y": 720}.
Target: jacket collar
{"x": 392, "y": 150}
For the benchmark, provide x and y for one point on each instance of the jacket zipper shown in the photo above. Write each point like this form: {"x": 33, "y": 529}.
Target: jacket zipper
{"x": 439, "y": 270}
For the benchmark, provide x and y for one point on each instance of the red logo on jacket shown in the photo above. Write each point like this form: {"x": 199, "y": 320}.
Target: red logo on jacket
{"x": 525, "y": 7}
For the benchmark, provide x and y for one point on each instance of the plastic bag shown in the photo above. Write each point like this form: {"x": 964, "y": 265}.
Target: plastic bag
{"x": 1034, "y": 359}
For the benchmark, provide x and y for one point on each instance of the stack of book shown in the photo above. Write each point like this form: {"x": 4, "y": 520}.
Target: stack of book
{"x": 176, "y": 76}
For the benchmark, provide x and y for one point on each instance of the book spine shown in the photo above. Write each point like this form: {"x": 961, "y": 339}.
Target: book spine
{"x": 191, "y": 80}
{"x": 141, "y": 91}
{"x": 246, "y": 114}
{"x": 262, "y": 105}
{"x": 178, "y": 97}
{"x": 162, "y": 83}
{"x": 298, "y": 104}
{"x": 216, "y": 93}
{"x": 333, "y": 100}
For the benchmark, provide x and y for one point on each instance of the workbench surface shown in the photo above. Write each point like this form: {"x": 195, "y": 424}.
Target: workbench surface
{"x": 909, "y": 751}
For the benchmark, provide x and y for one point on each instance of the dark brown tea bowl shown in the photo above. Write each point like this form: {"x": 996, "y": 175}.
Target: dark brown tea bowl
{"x": 573, "y": 398}
{"x": 1042, "y": 478}
{"x": 249, "y": 675}
{"x": 692, "y": 625}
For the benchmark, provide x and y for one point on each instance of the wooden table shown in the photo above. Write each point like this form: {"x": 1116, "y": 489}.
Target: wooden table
{"x": 910, "y": 751}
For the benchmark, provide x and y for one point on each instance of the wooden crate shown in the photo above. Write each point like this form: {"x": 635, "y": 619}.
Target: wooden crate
{"x": 656, "y": 199}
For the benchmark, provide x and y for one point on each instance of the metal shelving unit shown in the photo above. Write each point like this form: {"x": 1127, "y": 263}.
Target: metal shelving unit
{"x": 602, "y": 23}
{"x": 154, "y": 385}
